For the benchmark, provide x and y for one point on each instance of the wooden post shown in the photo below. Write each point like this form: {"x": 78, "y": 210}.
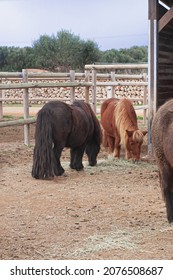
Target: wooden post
{"x": 94, "y": 101}
{"x": 26, "y": 108}
{"x": 87, "y": 79}
{"x": 152, "y": 66}
{"x": 112, "y": 87}
{"x": 72, "y": 89}
{"x": 1, "y": 105}
{"x": 145, "y": 99}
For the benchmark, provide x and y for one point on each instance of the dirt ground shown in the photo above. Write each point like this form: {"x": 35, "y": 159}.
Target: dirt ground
{"x": 112, "y": 211}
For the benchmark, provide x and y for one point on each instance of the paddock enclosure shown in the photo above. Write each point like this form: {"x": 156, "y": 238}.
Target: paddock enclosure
{"x": 19, "y": 87}
{"x": 111, "y": 211}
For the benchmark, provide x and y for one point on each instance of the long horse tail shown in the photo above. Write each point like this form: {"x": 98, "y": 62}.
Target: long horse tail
{"x": 97, "y": 134}
{"x": 43, "y": 157}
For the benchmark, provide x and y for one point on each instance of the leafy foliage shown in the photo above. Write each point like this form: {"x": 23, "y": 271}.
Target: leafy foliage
{"x": 132, "y": 55}
{"x": 65, "y": 51}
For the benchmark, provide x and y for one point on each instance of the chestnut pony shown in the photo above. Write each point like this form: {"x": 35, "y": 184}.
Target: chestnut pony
{"x": 162, "y": 143}
{"x": 119, "y": 122}
{"x": 61, "y": 125}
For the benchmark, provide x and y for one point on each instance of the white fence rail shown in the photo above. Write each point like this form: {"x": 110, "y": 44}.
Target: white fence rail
{"x": 91, "y": 81}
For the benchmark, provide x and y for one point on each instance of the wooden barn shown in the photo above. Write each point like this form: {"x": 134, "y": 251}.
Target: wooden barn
{"x": 160, "y": 60}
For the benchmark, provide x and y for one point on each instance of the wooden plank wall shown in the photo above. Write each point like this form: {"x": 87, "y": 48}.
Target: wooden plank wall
{"x": 165, "y": 63}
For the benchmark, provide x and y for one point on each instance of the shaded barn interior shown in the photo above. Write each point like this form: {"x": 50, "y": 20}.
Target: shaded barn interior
{"x": 160, "y": 55}
{"x": 165, "y": 54}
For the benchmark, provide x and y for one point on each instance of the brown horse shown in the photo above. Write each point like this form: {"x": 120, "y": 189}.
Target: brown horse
{"x": 162, "y": 143}
{"x": 119, "y": 122}
{"x": 61, "y": 125}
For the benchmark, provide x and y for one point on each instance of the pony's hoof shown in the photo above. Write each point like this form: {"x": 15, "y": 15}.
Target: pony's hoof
{"x": 72, "y": 166}
{"x": 170, "y": 220}
{"x": 65, "y": 175}
{"x": 59, "y": 172}
{"x": 79, "y": 168}
{"x": 115, "y": 158}
{"x": 92, "y": 163}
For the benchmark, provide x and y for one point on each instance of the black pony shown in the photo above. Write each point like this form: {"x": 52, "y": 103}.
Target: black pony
{"x": 61, "y": 125}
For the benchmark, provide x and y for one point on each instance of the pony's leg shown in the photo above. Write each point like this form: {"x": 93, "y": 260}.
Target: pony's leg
{"x": 117, "y": 147}
{"x": 128, "y": 154}
{"x": 58, "y": 169}
{"x": 104, "y": 139}
{"x": 169, "y": 205}
{"x": 166, "y": 180}
{"x": 76, "y": 158}
{"x": 110, "y": 141}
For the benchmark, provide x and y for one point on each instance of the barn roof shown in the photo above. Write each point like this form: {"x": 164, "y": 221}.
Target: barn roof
{"x": 169, "y": 3}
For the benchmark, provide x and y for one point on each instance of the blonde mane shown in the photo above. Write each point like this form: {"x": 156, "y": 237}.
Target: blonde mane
{"x": 138, "y": 136}
{"x": 126, "y": 119}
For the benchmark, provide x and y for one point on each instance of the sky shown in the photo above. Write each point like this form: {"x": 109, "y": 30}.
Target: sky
{"x": 112, "y": 24}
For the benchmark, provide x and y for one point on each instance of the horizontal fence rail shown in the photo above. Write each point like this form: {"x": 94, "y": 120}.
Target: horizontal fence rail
{"x": 43, "y": 85}
{"x": 122, "y": 84}
{"x": 48, "y": 75}
{"x": 116, "y": 66}
{"x": 91, "y": 82}
{"x": 18, "y": 122}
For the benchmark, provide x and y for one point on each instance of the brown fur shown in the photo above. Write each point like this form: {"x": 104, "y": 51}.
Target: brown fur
{"x": 61, "y": 125}
{"x": 162, "y": 143}
{"x": 119, "y": 122}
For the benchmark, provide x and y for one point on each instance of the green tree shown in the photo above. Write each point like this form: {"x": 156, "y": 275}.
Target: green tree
{"x": 89, "y": 54}
{"x": 64, "y": 51}
{"x": 139, "y": 54}
{"x": 44, "y": 52}
{"x": 11, "y": 59}
{"x": 132, "y": 55}
{"x": 69, "y": 48}
{"x": 3, "y": 58}
{"x": 29, "y": 58}
{"x": 110, "y": 56}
